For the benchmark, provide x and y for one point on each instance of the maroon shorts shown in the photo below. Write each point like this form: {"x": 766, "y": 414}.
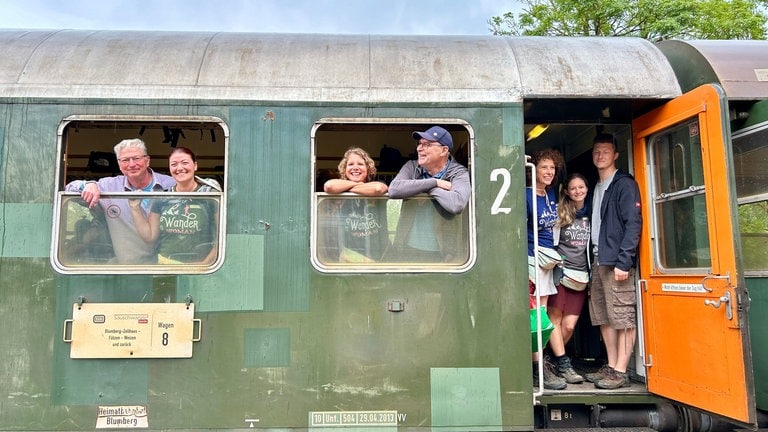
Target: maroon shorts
{"x": 567, "y": 300}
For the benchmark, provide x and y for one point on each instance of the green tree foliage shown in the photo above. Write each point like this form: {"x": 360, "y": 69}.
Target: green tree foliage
{"x": 753, "y": 218}
{"x": 649, "y": 19}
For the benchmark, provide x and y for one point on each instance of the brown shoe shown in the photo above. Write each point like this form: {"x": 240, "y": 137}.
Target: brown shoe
{"x": 594, "y": 377}
{"x": 613, "y": 380}
{"x": 551, "y": 380}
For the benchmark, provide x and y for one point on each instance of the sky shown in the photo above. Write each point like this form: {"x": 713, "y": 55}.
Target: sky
{"x": 391, "y": 17}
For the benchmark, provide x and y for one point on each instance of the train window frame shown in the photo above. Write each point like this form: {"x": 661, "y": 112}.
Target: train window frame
{"x": 668, "y": 200}
{"x": 79, "y": 137}
{"x": 402, "y": 128}
{"x": 743, "y": 144}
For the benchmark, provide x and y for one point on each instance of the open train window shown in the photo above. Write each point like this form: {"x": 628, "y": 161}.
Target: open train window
{"x": 750, "y": 154}
{"x": 351, "y": 232}
{"x": 150, "y": 228}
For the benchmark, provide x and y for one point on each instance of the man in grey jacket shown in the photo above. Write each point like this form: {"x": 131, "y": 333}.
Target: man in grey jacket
{"x": 426, "y": 232}
{"x": 133, "y": 161}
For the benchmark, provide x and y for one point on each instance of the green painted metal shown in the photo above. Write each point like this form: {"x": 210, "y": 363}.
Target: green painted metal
{"x": 278, "y": 339}
{"x": 21, "y": 225}
{"x": 267, "y": 348}
{"x": 758, "y": 113}
{"x": 238, "y": 285}
{"x": 465, "y": 399}
{"x": 758, "y": 328}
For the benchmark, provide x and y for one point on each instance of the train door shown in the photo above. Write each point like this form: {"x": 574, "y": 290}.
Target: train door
{"x": 696, "y": 341}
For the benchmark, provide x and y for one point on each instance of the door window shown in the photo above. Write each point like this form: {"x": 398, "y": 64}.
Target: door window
{"x": 682, "y": 240}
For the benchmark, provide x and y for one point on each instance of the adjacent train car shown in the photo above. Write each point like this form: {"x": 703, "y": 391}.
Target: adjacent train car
{"x": 286, "y": 328}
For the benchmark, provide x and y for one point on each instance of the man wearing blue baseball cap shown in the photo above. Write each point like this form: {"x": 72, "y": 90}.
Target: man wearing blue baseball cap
{"x": 437, "y": 173}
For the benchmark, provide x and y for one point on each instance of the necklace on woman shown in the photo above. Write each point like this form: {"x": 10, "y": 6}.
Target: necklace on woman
{"x": 177, "y": 189}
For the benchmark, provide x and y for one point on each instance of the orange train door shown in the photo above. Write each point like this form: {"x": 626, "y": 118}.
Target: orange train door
{"x": 693, "y": 300}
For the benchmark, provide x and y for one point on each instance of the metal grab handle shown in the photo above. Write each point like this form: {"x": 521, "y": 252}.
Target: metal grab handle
{"x": 642, "y": 286}
{"x": 727, "y": 278}
{"x": 726, "y": 298}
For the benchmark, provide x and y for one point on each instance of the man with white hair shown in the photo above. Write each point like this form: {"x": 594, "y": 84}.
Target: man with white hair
{"x": 137, "y": 176}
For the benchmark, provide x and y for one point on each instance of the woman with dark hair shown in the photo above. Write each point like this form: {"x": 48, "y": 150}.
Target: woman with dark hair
{"x": 354, "y": 229}
{"x": 184, "y": 228}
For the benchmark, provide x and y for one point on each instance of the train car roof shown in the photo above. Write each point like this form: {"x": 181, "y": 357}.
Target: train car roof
{"x": 739, "y": 66}
{"x": 327, "y": 68}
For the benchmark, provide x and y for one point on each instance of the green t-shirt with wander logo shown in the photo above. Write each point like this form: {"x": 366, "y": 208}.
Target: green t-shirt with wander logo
{"x": 187, "y": 227}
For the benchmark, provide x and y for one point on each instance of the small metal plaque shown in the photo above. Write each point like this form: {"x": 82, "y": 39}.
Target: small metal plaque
{"x": 681, "y": 287}
{"x": 131, "y": 330}
{"x": 335, "y": 419}
{"x": 122, "y": 417}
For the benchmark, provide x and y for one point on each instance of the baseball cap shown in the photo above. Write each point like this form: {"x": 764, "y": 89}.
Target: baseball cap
{"x": 437, "y": 134}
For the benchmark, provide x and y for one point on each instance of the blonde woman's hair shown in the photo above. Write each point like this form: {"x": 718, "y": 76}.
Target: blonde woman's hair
{"x": 369, "y": 163}
{"x": 566, "y": 208}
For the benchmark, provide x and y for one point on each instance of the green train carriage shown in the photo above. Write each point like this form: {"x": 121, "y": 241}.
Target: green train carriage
{"x": 277, "y": 336}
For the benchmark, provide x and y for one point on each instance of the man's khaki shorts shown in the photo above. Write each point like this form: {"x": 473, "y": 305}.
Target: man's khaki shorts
{"x": 612, "y": 302}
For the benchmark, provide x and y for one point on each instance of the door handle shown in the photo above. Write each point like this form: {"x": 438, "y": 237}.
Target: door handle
{"x": 726, "y": 298}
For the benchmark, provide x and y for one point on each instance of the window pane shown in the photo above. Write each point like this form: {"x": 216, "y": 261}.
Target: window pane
{"x": 173, "y": 230}
{"x": 83, "y": 235}
{"x": 352, "y": 230}
{"x": 426, "y": 233}
{"x": 682, "y": 239}
{"x": 753, "y": 223}
{"x": 750, "y": 152}
{"x": 380, "y": 232}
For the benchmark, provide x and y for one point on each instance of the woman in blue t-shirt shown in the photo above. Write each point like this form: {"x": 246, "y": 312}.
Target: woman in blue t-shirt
{"x": 548, "y": 164}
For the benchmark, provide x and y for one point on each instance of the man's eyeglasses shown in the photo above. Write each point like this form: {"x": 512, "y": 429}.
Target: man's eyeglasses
{"x": 425, "y": 143}
{"x": 133, "y": 159}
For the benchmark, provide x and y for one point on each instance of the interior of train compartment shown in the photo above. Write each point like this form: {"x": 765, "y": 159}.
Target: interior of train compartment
{"x": 89, "y": 145}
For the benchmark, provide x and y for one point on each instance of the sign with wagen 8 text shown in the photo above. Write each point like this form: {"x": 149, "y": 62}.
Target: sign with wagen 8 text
{"x": 132, "y": 330}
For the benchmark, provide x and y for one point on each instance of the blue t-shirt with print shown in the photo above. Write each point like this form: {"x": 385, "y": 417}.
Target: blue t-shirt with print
{"x": 546, "y": 207}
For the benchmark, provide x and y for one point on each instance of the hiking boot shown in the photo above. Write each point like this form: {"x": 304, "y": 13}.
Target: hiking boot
{"x": 565, "y": 370}
{"x": 594, "y": 377}
{"x": 551, "y": 380}
{"x": 613, "y": 380}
